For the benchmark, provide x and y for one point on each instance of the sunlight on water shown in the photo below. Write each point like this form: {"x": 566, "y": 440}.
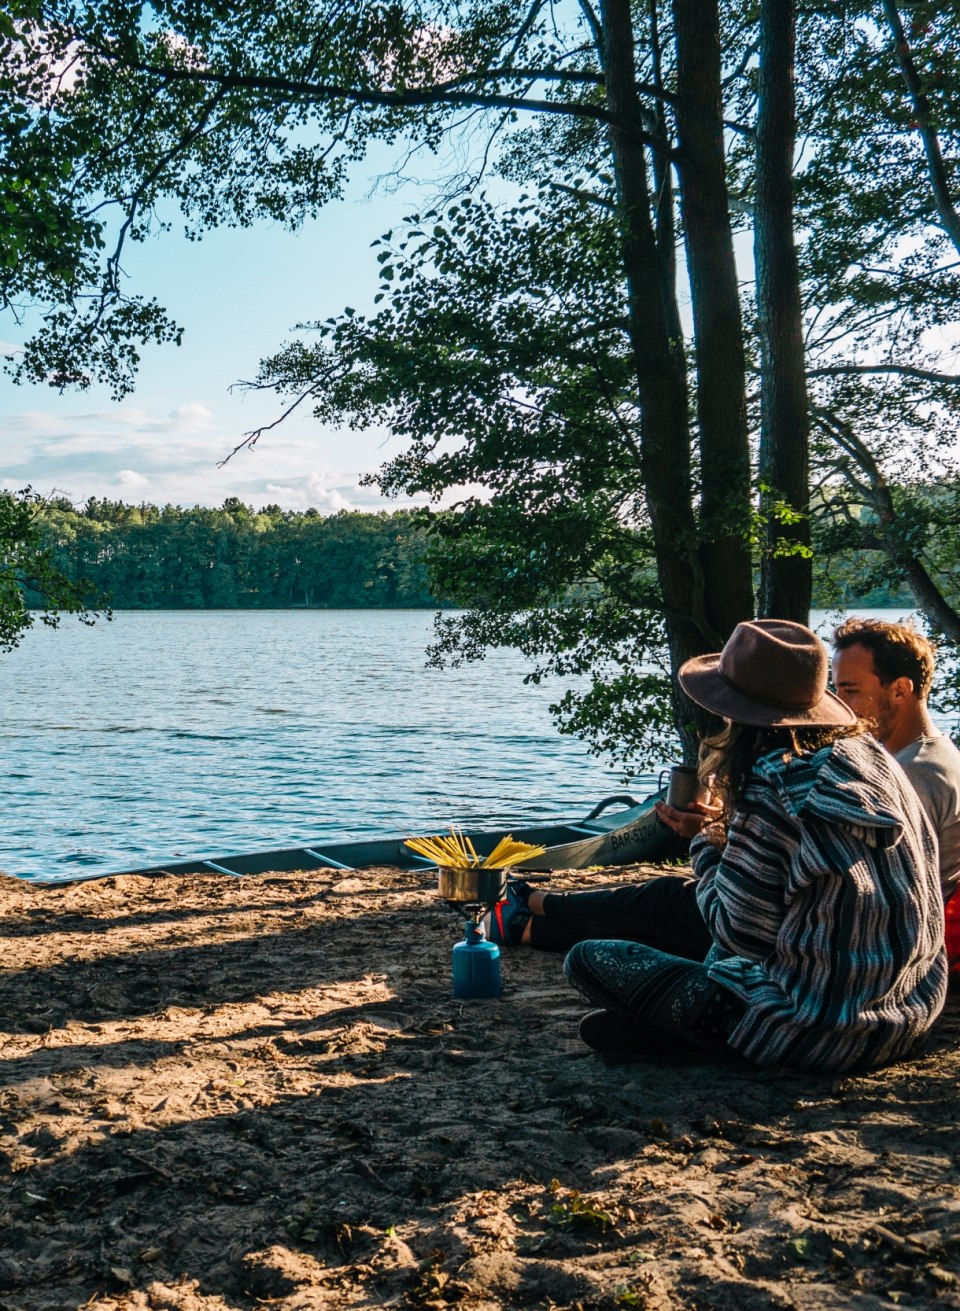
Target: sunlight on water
{"x": 186, "y": 733}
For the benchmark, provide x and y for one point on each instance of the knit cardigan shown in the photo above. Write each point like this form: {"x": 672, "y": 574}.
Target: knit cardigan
{"x": 825, "y": 903}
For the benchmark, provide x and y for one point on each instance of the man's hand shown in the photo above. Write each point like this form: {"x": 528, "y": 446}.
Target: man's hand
{"x": 688, "y": 823}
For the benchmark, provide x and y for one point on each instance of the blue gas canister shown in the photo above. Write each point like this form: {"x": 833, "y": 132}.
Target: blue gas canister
{"x": 476, "y": 965}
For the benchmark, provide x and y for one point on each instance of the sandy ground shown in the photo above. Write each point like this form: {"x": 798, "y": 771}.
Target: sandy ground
{"x": 240, "y": 1093}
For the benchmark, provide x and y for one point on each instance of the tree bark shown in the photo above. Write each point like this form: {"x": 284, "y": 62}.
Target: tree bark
{"x": 936, "y": 168}
{"x": 786, "y": 583}
{"x": 665, "y": 224}
{"x": 661, "y": 381}
{"x": 725, "y": 505}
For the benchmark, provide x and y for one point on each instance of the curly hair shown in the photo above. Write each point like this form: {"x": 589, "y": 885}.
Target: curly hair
{"x": 898, "y": 651}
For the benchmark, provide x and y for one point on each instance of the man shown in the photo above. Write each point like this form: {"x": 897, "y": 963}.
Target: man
{"x": 883, "y": 672}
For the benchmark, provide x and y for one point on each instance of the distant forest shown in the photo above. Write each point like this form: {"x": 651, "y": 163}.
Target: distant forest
{"x": 143, "y": 557}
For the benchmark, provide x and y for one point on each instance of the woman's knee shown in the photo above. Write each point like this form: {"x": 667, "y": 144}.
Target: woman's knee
{"x": 574, "y": 961}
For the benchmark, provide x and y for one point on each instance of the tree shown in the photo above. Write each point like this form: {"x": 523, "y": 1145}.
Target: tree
{"x": 28, "y": 575}
{"x": 143, "y": 558}
{"x": 786, "y": 577}
{"x": 878, "y": 251}
{"x": 200, "y": 100}
{"x": 54, "y": 232}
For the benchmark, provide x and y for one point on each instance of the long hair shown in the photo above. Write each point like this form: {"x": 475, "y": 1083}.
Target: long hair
{"x": 727, "y": 758}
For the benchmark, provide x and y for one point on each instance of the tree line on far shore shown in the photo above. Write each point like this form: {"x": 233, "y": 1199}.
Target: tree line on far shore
{"x": 146, "y": 557}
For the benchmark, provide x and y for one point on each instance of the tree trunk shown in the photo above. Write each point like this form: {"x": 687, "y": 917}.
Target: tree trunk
{"x": 665, "y": 224}
{"x": 923, "y": 117}
{"x": 721, "y": 374}
{"x": 661, "y": 381}
{"x": 786, "y": 575}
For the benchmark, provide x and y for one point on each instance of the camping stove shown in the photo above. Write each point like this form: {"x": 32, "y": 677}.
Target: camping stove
{"x": 476, "y": 962}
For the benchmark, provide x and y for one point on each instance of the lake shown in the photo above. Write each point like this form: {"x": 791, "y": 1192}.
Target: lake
{"x": 184, "y": 733}
{"x": 176, "y": 734}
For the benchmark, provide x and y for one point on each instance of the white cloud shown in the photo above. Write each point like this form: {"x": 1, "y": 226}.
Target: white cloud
{"x": 148, "y": 451}
{"x": 76, "y": 430}
{"x": 311, "y": 491}
{"x": 185, "y": 418}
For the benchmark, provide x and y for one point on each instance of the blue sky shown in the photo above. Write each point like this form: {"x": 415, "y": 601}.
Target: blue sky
{"x": 238, "y": 295}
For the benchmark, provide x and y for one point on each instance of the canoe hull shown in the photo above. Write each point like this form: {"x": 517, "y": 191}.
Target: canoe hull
{"x": 626, "y": 837}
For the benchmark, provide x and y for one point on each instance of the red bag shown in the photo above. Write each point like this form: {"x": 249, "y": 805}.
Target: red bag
{"x": 951, "y": 912}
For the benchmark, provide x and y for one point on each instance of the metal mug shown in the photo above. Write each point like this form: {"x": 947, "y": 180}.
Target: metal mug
{"x": 684, "y": 786}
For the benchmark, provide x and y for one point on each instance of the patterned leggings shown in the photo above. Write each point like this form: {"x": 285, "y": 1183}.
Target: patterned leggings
{"x": 661, "y": 995}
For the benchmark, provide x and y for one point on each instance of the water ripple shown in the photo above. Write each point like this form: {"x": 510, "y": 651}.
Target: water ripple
{"x": 125, "y": 746}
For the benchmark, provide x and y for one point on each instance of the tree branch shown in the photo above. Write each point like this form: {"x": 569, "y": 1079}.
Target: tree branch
{"x": 251, "y": 438}
{"x": 924, "y": 122}
{"x": 112, "y": 287}
{"x": 926, "y": 592}
{"x": 421, "y": 97}
{"x": 579, "y": 194}
{"x": 594, "y": 23}
{"x": 903, "y": 370}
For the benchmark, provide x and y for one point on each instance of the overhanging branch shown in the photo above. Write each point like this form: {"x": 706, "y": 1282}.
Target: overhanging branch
{"x": 411, "y": 98}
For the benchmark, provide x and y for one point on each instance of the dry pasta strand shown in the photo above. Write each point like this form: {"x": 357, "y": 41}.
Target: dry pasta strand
{"x": 458, "y": 852}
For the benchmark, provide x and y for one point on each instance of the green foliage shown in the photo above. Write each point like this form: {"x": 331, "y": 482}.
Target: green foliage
{"x": 880, "y": 264}
{"x": 144, "y": 557}
{"x": 231, "y": 112}
{"x": 59, "y": 253}
{"x": 30, "y": 576}
{"x": 858, "y": 580}
{"x": 571, "y": 1208}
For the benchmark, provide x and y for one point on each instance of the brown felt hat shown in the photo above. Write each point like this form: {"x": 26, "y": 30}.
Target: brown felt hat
{"x": 772, "y": 672}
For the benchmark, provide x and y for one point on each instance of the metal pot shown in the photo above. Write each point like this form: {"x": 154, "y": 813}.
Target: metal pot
{"x": 472, "y": 886}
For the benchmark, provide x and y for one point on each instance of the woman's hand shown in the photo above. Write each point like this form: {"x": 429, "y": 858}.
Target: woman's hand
{"x": 688, "y": 823}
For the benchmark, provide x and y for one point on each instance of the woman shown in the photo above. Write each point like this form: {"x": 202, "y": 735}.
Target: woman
{"x": 817, "y": 877}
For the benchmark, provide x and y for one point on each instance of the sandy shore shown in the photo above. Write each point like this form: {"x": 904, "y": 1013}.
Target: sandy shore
{"x": 238, "y": 1093}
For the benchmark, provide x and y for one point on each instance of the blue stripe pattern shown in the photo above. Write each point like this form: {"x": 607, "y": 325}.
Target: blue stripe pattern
{"x": 826, "y": 903}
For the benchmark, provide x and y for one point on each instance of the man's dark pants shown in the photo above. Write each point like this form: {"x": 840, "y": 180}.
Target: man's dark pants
{"x": 661, "y": 912}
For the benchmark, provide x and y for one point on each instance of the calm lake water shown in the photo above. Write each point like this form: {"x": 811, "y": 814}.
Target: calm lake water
{"x": 178, "y": 734}
{"x": 196, "y": 733}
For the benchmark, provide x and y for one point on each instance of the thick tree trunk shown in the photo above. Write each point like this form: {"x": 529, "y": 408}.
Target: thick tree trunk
{"x": 661, "y": 382}
{"x": 725, "y": 504}
{"x": 786, "y": 575}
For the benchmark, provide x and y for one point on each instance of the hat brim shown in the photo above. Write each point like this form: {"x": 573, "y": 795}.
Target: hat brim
{"x": 702, "y": 681}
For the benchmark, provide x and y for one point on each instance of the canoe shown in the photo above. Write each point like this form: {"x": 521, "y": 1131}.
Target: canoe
{"x": 624, "y": 836}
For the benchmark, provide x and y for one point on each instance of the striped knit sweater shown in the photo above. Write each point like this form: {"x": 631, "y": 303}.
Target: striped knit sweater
{"x": 827, "y": 897}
